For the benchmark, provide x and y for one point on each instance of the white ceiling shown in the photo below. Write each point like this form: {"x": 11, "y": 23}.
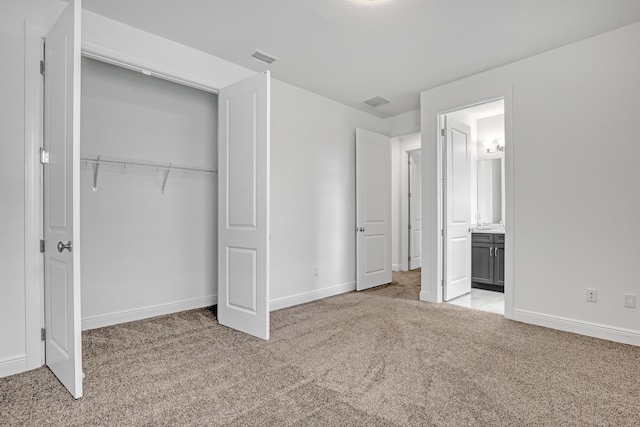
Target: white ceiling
{"x": 353, "y": 50}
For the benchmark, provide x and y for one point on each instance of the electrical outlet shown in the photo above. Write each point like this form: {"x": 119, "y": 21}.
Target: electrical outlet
{"x": 630, "y": 300}
{"x": 316, "y": 271}
{"x": 592, "y": 295}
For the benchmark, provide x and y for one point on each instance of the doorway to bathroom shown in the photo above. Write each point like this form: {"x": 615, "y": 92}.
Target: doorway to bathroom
{"x": 473, "y": 207}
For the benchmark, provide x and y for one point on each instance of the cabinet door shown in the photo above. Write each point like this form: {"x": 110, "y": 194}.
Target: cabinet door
{"x": 499, "y": 265}
{"x": 482, "y": 264}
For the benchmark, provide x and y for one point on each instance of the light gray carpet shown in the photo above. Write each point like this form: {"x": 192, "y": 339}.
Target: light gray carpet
{"x": 371, "y": 358}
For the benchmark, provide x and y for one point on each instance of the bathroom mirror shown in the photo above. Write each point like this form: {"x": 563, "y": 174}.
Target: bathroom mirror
{"x": 490, "y": 191}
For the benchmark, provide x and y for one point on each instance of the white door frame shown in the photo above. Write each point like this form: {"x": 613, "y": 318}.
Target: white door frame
{"x": 168, "y": 68}
{"x": 404, "y": 199}
{"x": 34, "y": 263}
{"x": 431, "y": 111}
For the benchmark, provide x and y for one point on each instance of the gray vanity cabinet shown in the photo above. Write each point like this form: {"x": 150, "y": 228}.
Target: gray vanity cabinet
{"x": 487, "y": 261}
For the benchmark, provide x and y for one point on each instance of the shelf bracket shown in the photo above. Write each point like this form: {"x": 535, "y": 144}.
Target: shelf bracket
{"x": 164, "y": 179}
{"x": 96, "y": 168}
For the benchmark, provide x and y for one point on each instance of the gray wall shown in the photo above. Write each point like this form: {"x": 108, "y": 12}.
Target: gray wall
{"x": 12, "y": 176}
{"x": 312, "y": 194}
{"x": 21, "y": 26}
{"x": 573, "y": 191}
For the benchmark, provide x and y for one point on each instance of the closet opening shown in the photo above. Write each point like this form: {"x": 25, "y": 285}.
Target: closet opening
{"x": 148, "y": 196}
{"x": 147, "y": 255}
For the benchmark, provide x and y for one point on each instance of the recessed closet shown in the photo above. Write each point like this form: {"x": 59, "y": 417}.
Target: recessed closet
{"x": 148, "y": 197}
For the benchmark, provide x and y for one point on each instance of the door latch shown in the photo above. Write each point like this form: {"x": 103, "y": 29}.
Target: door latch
{"x": 62, "y": 246}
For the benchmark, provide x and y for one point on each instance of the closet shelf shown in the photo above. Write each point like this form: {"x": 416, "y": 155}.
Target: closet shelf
{"x": 98, "y": 159}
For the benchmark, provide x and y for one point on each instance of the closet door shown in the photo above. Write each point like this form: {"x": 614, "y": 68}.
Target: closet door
{"x": 61, "y": 200}
{"x": 243, "y": 203}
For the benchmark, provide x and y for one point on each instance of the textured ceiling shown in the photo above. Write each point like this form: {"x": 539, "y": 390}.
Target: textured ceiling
{"x": 353, "y": 50}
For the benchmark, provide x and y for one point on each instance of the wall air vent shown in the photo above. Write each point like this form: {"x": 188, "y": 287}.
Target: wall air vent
{"x": 376, "y": 101}
{"x": 263, "y": 57}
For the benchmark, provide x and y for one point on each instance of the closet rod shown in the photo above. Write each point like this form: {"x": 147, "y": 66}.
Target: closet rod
{"x": 92, "y": 158}
{"x": 98, "y": 159}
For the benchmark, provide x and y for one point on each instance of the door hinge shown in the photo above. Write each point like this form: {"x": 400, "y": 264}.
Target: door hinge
{"x": 44, "y": 156}
{"x": 444, "y": 233}
{"x": 43, "y": 334}
{"x": 409, "y": 195}
{"x": 409, "y": 258}
{"x": 409, "y": 226}
{"x": 443, "y": 132}
{"x": 41, "y": 246}
{"x": 42, "y": 67}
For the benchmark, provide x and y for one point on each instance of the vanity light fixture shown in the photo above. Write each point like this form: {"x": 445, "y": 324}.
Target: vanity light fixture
{"x": 493, "y": 146}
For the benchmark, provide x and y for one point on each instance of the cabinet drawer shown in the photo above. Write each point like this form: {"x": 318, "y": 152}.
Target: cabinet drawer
{"x": 481, "y": 238}
{"x": 498, "y": 238}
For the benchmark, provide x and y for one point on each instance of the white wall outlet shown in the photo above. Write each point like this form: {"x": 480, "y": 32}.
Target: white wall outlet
{"x": 630, "y": 300}
{"x": 592, "y": 295}
{"x": 316, "y": 271}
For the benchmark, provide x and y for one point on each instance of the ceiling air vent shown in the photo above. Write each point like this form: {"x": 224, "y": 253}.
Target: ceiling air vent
{"x": 263, "y": 57}
{"x": 376, "y": 101}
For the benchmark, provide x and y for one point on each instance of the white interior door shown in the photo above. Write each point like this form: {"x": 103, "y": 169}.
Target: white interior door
{"x": 243, "y": 206}
{"x": 415, "y": 209}
{"x": 457, "y": 241}
{"x": 63, "y": 344}
{"x": 373, "y": 209}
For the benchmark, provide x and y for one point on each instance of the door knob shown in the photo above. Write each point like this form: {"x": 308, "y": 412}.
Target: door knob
{"x": 62, "y": 246}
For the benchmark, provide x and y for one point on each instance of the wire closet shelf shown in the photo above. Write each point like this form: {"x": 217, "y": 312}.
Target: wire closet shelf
{"x": 98, "y": 159}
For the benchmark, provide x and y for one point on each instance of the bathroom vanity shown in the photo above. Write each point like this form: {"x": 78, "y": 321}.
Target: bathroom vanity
{"x": 487, "y": 260}
{"x": 487, "y": 239}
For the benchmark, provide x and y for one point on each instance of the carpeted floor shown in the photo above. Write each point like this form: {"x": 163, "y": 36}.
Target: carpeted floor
{"x": 378, "y": 357}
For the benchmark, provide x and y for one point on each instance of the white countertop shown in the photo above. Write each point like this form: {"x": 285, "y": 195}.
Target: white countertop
{"x": 475, "y": 230}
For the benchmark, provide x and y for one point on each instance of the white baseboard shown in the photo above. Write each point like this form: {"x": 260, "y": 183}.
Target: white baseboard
{"x": 395, "y": 267}
{"x": 302, "y": 298}
{"x": 578, "y": 327}
{"x": 146, "y": 312}
{"x": 13, "y": 366}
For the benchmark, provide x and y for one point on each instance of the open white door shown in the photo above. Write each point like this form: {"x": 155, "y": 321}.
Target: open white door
{"x": 457, "y": 212}
{"x": 243, "y": 206}
{"x": 415, "y": 209}
{"x": 63, "y": 344}
{"x": 373, "y": 209}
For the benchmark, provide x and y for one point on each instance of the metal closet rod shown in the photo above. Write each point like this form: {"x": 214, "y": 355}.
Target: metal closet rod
{"x": 98, "y": 159}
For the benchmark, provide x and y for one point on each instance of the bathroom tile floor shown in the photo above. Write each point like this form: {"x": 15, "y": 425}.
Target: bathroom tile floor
{"x": 481, "y": 299}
